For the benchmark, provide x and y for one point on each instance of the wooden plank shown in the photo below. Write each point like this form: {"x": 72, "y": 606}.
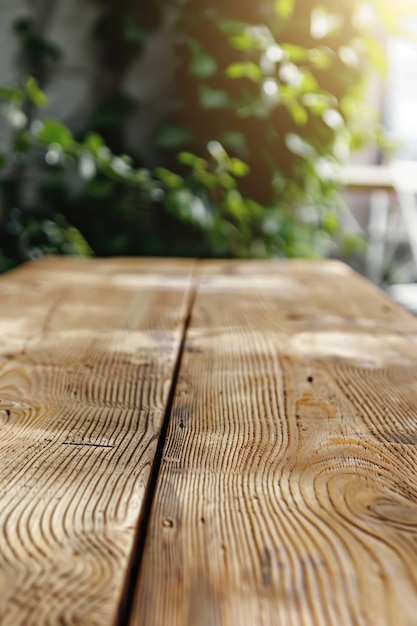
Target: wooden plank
{"x": 287, "y": 491}
{"x": 87, "y": 354}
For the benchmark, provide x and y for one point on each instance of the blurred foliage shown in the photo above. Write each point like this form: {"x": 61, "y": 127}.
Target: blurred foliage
{"x": 281, "y": 85}
{"x": 272, "y": 99}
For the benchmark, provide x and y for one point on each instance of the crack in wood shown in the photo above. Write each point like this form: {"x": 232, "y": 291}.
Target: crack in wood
{"x": 83, "y": 443}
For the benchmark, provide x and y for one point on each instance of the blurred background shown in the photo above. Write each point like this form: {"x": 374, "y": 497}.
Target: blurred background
{"x": 275, "y": 128}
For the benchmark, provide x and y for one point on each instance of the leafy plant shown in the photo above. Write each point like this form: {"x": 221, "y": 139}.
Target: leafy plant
{"x": 273, "y": 102}
{"x": 31, "y": 224}
{"x": 281, "y": 85}
{"x": 208, "y": 198}
{"x": 62, "y": 192}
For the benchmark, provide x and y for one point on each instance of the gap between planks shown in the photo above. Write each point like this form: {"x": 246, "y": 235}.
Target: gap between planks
{"x": 134, "y": 567}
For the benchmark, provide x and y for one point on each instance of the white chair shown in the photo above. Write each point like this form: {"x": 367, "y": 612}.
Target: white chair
{"x": 404, "y": 179}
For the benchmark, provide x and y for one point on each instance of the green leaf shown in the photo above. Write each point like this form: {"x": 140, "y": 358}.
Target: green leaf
{"x": 208, "y": 179}
{"x": 352, "y": 243}
{"x": 349, "y": 106}
{"x": 227, "y": 181}
{"x": 93, "y": 142}
{"x": 53, "y": 131}
{"x": 243, "y": 42}
{"x": 308, "y": 81}
{"x": 52, "y": 51}
{"x": 78, "y": 242}
{"x": 187, "y": 158}
{"x": 186, "y": 206}
{"x": 295, "y": 53}
{"x": 100, "y": 188}
{"x": 24, "y": 26}
{"x": 35, "y": 95}
{"x": 317, "y": 103}
{"x": 320, "y": 58}
{"x": 297, "y": 112}
{"x": 217, "y": 151}
{"x": 330, "y": 222}
{"x": 254, "y": 109}
{"x": 11, "y": 94}
{"x": 2, "y": 160}
{"x": 202, "y": 64}
{"x": 139, "y": 177}
{"x": 284, "y": 8}
{"x": 375, "y": 54}
{"x": 170, "y": 136}
{"x": 33, "y": 44}
{"x": 169, "y": 178}
{"x": 235, "y": 204}
{"x": 234, "y": 139}
{"x": 232, "y": 27}
{"x": 246, "y": 69}
{"x": 238, "y": 167}
{"x": 213, "y": 98}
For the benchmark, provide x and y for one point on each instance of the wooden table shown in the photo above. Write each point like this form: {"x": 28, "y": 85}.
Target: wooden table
{"x": 205, "y": 443}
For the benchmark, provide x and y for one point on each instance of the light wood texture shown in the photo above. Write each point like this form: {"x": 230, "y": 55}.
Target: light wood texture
{"x": 87, "y": 353}
{"x": 287, "y": 494}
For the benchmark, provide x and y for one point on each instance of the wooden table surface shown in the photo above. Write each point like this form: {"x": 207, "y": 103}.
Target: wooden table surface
{"x": 205, "y": 444}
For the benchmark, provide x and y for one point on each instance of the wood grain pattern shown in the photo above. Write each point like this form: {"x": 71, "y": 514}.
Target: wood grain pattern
{"x": 287, "y": 493}
{"x": 87, "y": 352}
